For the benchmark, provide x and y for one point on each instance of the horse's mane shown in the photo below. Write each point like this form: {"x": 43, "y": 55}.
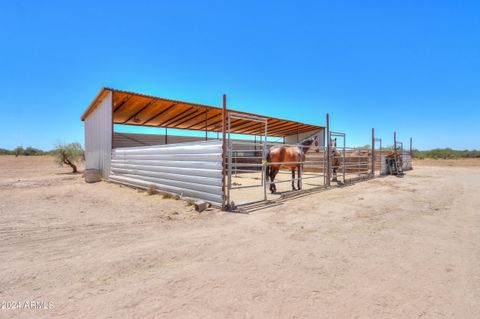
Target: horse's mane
{"x": 307, "y": 141}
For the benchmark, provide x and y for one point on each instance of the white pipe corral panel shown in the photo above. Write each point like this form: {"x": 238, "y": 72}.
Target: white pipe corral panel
{"x": 191, "y": 169}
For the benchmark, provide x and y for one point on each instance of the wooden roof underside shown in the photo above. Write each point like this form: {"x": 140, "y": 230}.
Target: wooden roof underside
{"x": 143, "y": 110}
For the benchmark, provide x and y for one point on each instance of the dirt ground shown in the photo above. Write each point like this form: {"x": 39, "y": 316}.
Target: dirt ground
{"x": 461, "y": 162}
{"x": 384, "y": 248}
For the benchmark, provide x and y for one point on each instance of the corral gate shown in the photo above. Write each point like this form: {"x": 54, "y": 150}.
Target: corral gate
{"x": 378, "y": 157}
{"x": 334, "y": 157}
{"x": 348, "y": 163}
{"x": 246, "y": 150}
{"x": 247, "y": 162}
{"x": 406, "y": 155}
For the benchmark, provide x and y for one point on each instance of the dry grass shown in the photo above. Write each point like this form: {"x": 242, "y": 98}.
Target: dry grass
{"x": 460, "y": 162}
{"x": 151, "y": 190}
{"x": 167, "y": 195}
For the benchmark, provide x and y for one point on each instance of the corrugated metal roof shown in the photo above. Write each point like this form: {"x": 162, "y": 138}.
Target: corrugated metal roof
{"x": 131, "y": 108}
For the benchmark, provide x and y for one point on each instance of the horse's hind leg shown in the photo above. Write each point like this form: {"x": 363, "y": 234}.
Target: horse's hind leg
{"x": 299, "y": 182}
{"x": 273, "y": 187}
{"x": 334, "y": 179}
{"x": 272, "y": 177}
{"x": 293, "y": 179}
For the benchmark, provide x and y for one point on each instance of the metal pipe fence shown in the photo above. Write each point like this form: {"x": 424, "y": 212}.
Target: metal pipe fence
{"x": 248, "y": 159}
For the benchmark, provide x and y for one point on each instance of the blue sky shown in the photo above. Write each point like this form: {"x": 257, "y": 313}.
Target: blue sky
{"x": 409, "y": 66}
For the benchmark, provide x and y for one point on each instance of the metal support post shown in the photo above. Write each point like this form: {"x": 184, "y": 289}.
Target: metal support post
{"x": 373, "y": 152}
{"x": 329, "y": 153}
{"x": 224, "y": 152}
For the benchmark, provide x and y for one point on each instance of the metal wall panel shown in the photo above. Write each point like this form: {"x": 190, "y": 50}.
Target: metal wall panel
{"x": 293, "y": 139}
{"x": 98, "y": 137}
{"x": 383, "y": 165}
{"x": 191, "y": 169}
{"x": 406, "y": 161}
{"x": 121, "y": 140}
{"x": 135, "y": 139}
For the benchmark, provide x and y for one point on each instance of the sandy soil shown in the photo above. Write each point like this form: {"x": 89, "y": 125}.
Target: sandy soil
{"x": 461, "y": 162}
{"x": 384, "y": 248}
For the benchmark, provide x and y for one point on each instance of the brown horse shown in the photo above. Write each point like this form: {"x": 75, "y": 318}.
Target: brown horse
{"x": 291, "y": 157}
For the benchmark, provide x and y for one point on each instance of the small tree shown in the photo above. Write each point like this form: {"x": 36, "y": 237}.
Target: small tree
{"x": 18, "y": 151}
{"x": 69, "y": 154}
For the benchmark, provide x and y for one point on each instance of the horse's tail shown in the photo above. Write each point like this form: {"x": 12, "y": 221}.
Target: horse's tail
{"x": 267, "y": 169}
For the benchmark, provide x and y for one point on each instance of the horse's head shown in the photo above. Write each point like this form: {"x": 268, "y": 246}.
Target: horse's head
{"x": 333, "y": 144}
{"x": 309, "y": 142}
{"x": 316, "y": 144}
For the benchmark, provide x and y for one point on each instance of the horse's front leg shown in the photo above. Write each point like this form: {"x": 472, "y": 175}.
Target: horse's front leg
{"x": 334, "y": 174}
{"x": 293, "y": 179}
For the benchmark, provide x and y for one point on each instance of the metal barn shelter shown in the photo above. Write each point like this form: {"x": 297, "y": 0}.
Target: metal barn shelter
{"x": 192, "y": 166}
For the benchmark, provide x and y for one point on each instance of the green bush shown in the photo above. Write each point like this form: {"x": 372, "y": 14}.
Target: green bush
{"x": 446, "y": 153}
{"x": 31, "y": 151}
{"x": 4, "y": 151}
{"x": 19, "y": 150}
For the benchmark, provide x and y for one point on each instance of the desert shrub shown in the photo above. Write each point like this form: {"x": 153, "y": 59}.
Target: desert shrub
{"x": 446, "y": 153}
{"x": 31, "y": 151}
{"x": 69, "y": 154}
{"x": 19, "y": 150}
{"x": 4, "y": 151}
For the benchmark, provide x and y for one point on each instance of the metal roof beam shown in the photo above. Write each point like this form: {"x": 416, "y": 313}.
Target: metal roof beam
{"x": 141, "y": 110}
{"x": 159, "y": 113}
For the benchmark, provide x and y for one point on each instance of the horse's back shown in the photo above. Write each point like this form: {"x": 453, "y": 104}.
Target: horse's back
{"x": 289, "y": 156}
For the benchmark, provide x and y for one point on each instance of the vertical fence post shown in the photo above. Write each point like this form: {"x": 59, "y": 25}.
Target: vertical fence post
{"x": 327, "y": 135}
{"x": 264, "y": 162}
{"x": 411, "y": 154}
{"x": 373, "y": 152}
{"x": 224, "y": 153}
{"x": 344, "y": 160}
{"x": 229, "y": 157}
{"x": 411, "y": 149}
{"x": 394, "y": 141}
{"x": 381, "y": 160}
